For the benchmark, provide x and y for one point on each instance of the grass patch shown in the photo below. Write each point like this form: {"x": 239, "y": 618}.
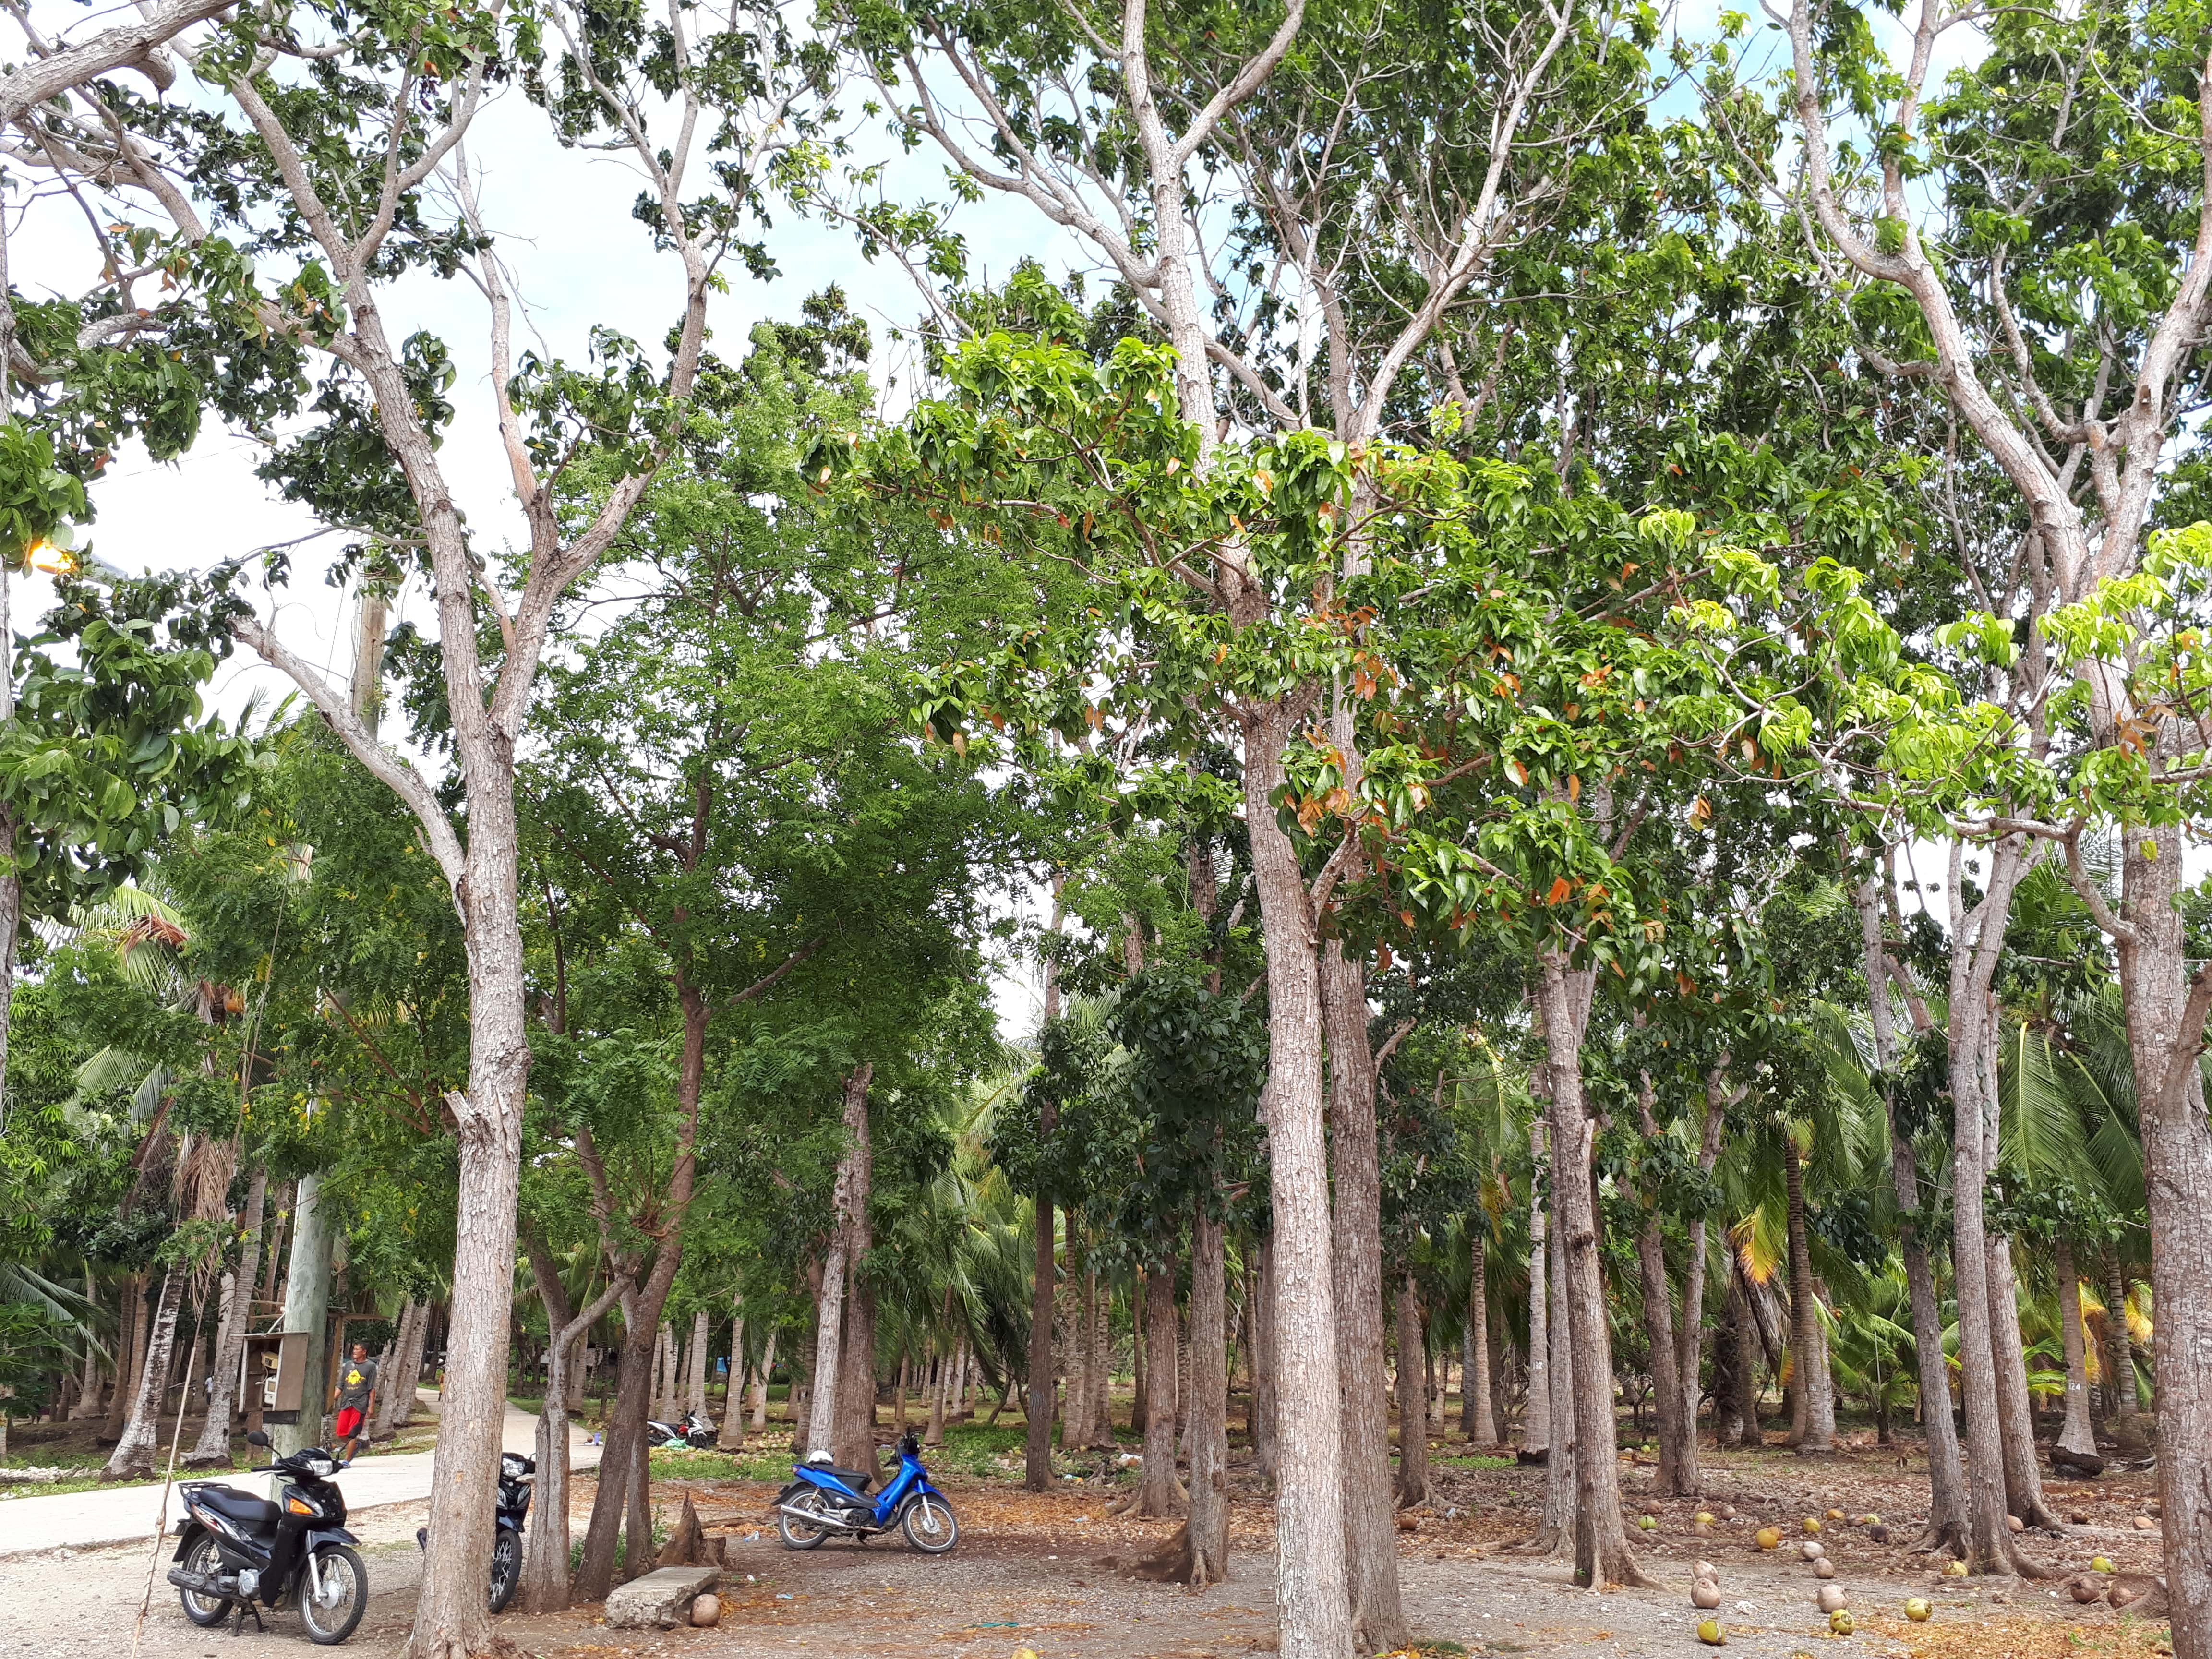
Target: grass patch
{"x": 1474, "y": 1460}
{"x": 692, "y": 1465}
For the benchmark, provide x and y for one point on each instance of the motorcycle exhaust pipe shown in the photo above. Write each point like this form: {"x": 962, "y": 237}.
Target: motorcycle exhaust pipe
{"x": 203, "y": 1583}
{"x": 815, "y": 1518}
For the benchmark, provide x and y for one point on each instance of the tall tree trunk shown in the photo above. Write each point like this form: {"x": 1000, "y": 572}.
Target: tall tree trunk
{"x": 391, "y": 1375}
{"x": 1690, "y": 1337}
{"x": 1038, "y": 1397}
{"x": 694, "y": 1391}
{"x": 1602, "y": 1554}
{"x": 855, "y": 1442}
{"x": 544, "y": 1582}
{"x": 134, "y": 1452}
{"x": 1160, "y": 1493}
{"x": 1208, "y": 1528}
{"x": 1478, "y": 1411}
{"x": 1313, "y": 1595}
{"x": 732, "y": 1431}
{"x": 2119, "y": 1346}
{"x": 829, "y": 1319}
{"x": 1266, "y": 1422}
{"x": 213, "y": 1447}
{"x": 130, "y": 1355}
{"x": 1675, "y": 1480}
{"x": 88, "y": 1398}
{"x": 1141, "y": 1411}
{"x": 2016, "y": 1414}
{"x": 2078, "y": 1434}
{"x": 621, "y": 1501}
{"x": 854, "y": 1439}
{"x": 1413, "y": 1400}
{"x": 1948, "y": 1502}
{"x": 1557, "y": 1534}
{"x": 1536, "y": 1423}
{"x": 1370, "y": 1534}
{"x": 761, "y": 1383}
{"x": 410, "y": 1367}
{"x": 1813, "y": 1421}
{"x": 1977, "y": 936}
{"x": 941, "y": 1382}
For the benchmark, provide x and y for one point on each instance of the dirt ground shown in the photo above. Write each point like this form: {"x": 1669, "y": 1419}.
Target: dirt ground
{"x": 1049, "y": 1572}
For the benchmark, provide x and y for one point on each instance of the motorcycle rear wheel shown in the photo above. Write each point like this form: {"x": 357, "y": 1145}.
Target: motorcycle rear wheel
{"x": 345, "y": 1594}
{"x": 201, "y": 1556}
{"x": 798, "y": 1535}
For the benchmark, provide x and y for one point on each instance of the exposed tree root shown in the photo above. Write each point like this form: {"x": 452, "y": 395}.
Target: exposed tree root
{"x": 1947, "y": 1539}
{"x": 1129, "y": 1506}
{"x": 1177, "y": 1563}
{"x": 1547, "y": 1540}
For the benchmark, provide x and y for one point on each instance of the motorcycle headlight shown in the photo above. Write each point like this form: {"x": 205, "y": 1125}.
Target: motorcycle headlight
{"x": 319, "y": 1467}
{"x": 510, "y": 1468}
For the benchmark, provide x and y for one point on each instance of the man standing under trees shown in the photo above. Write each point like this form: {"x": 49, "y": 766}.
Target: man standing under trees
{"x": 356, "y": 1392}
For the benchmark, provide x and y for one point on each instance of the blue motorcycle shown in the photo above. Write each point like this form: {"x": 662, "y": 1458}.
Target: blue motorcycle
{"x": 822, "y": 1500}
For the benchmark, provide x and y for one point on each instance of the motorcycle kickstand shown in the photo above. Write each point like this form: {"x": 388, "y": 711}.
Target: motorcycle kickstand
{"x": 238, "y": 1624}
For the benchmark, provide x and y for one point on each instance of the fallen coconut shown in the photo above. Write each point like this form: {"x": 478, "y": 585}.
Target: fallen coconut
{"x": 2120, "y": 1594}
{"x": 1878, "y": 1535}
{"x": 1648, "y": 1523}
{"x": 1839, "y": 1622}
{"x": 1811, "y": 1523}
{"x": 2013, "y": 1523}
{"x": 1830, "y": 1597}
{"x": 2144, "y": 1523}
{"x": 1824, "y": 1568}
{"x": 1705, "y": 1570}
{"x": 2084, "y": 1590}
{"x": 1768, "y": 1538}
{"x": 1835, "y": 1515}
{"x": 1811, "y": 1549}
{"x": 2101, "y": 1564}
{"x": 706, "y": 1611}
{"x": 1918, "y": 1609}
{"x": 1955, "y": 1570}
{"x": 1728, "y": 1512}
{"x": 1704, "y": 1518}
{"x": 1709, "y": 1632}
{"x": 1705, "y": 1593}
{"x": 1869, "y": 1520}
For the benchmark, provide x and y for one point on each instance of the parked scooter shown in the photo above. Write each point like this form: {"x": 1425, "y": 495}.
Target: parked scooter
{"x": 238, "y": 1549}
{"x": 690, "y": 1430}
{"x": 823, "y": 1498}
{"x": 516, "y": 1473}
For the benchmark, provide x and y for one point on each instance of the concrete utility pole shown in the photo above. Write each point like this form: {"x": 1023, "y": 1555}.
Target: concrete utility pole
{"x": 307, "y": 1284}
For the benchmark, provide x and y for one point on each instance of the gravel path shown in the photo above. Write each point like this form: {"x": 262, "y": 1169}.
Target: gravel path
{"x": 1050, "y": 1573}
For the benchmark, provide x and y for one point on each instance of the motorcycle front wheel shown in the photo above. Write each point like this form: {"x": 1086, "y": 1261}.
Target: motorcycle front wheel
{"x": 929, "y": 1524}
{"x": 201, "y": 1556}
{"x": 333, "y": 1594}
{"x": 799, "y": 1534}
{"x": 506, "y": 1567}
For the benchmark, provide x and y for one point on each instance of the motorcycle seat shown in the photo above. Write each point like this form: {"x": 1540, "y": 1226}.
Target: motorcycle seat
{"x": 242, "y": 1507}
{"x": 857, "y": 1480}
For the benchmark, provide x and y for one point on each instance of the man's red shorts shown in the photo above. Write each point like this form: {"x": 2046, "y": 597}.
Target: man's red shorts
{"x": 349, "y": 1424}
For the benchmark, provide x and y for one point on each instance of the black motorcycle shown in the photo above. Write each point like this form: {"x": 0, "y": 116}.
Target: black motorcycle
{"x": 690, "y": 1430}
{"x": 238, "y": 1549}
{"x": 516, "y": 1473}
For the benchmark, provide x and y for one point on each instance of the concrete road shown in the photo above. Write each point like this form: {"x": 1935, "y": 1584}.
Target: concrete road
{"x": 75, "y": 1520}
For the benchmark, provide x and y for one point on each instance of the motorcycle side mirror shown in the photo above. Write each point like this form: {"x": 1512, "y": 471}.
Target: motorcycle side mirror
{"x": 255, "y": 1438}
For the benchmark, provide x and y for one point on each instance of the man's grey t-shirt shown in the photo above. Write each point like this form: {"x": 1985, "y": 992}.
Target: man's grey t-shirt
{"x": 356, "y": 1378}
